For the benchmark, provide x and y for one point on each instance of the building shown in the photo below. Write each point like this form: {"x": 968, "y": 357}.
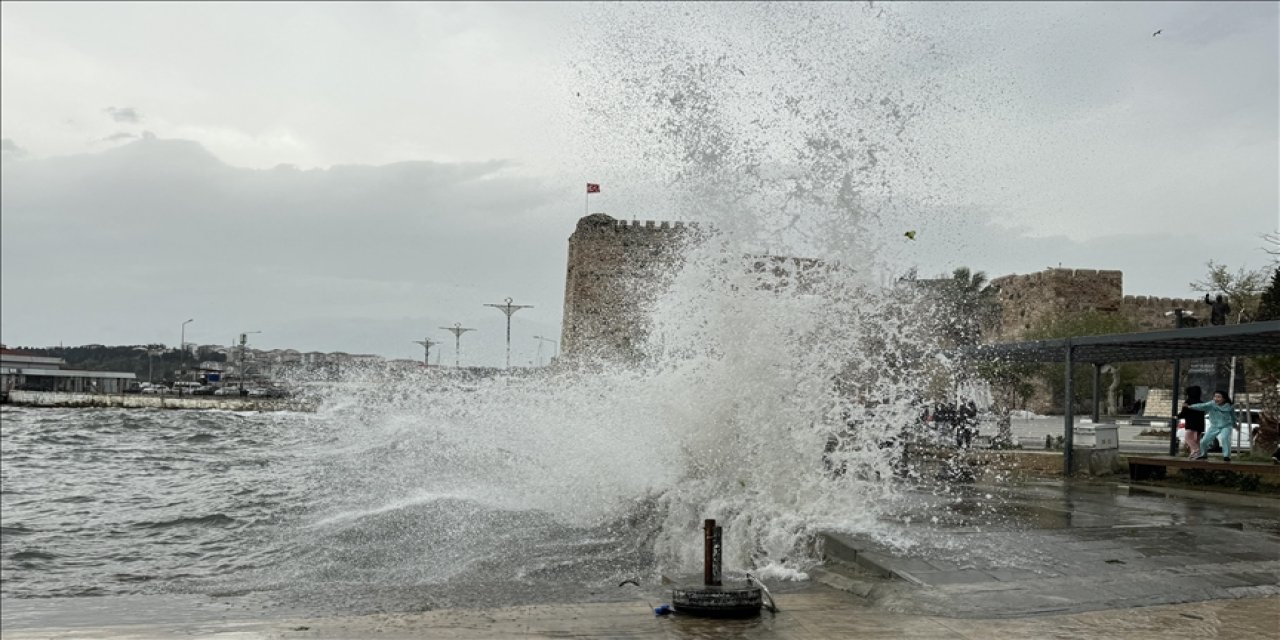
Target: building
{"x": 615, "y": 269}
{"x": 19, "y": 370}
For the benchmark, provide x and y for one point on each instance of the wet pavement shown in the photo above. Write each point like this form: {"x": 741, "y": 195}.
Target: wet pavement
{"x": 1067, "y": 547}
{"x": 817, "y": 614}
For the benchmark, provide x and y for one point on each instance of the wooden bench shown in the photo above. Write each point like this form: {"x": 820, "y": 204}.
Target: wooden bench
{"x": 1154, "y": 467}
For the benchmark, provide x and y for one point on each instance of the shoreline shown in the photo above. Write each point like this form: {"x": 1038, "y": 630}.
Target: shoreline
{"x": 62, "y": 400}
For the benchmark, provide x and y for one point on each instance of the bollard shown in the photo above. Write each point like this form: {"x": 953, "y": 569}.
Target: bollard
{"x": 713, "y": 598}
{"x": 711, "y": 553}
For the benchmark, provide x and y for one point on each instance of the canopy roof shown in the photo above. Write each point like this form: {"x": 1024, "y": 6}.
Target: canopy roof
{"x": 1251, "y": 339}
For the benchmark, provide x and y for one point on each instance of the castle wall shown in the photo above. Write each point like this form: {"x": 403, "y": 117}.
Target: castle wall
{"x": 1148, "y": 312}
{"x": 615, "y": 269}
{"x": 1032, "y": 299}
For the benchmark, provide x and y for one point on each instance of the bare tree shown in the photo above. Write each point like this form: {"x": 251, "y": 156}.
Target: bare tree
{"x": 1242, "y": 289}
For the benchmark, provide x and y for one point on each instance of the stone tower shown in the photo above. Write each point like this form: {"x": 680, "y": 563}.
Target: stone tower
{"x": 616, "y": 267}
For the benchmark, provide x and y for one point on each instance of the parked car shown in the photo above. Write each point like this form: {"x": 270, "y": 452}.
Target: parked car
{"x": 229, "y": 391}
{"x": 203, "y": 391}
{"x": 267, "y": 392}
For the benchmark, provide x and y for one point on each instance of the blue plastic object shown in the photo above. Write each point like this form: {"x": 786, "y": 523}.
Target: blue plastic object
{"x": 663, "y": 610}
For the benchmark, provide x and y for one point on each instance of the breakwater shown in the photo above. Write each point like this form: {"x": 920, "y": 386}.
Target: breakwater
{"x": 138, "y": 401}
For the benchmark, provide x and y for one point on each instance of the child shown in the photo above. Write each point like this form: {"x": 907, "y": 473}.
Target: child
{"x": 1222, "y": 419}
{"x": 1193, "y": 422}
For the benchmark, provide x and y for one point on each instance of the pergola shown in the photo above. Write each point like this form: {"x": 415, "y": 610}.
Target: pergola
{"x": 1252, "y": 339}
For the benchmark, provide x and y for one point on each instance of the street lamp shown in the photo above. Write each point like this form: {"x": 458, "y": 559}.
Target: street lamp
{"x": 457, "y": 330}
{"x": 509, "y": 309}
{"x": 244, "y": 338}
{"x": 554, "y": 353}
{"x": 426, "y": 343}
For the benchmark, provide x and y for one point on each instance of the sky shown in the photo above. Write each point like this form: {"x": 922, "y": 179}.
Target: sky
{"x": 353, "y": 176}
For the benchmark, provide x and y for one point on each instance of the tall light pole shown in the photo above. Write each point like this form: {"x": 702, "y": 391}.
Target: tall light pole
{"x": 151, "y": 354}
{"x": 244, "y": 368}
{"x": 457, "y": 330}
{"x": 182, "y": 343}
{"x": 426, "y": 343}
{"x": 541, "y": 340}
{"x": 509, "y": 309}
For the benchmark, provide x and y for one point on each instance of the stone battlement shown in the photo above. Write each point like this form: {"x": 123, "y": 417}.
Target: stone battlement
{"x": 1164, "y": 304}
{"x": 600, "y": 222}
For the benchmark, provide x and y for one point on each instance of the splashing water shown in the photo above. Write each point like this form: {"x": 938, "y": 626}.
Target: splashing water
{"x": 784, "y": 145}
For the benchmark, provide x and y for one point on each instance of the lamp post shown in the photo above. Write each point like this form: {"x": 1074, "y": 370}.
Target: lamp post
{"x": 509, "y": 309}
{"x": 244, "y": 368}
{"x": 457, "y": 330}
{"x": 554, "y": 353}
{"x": 426, "y": 343}
{"x": 151, "y": 354}
{"x": 182, "y": 344}
{"x": 182, "y": 348}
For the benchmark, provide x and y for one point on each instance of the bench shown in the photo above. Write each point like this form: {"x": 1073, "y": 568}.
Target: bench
{"x": 1154, "y": 467}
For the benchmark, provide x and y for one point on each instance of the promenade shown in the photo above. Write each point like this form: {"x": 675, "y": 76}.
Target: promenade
{"x": 817, "y": 614}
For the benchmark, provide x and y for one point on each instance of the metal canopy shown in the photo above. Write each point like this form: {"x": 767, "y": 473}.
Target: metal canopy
{"x": 1252, "y": 339}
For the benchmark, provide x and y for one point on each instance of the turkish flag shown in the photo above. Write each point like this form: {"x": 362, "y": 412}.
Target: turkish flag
{"x": 593, "y": 188}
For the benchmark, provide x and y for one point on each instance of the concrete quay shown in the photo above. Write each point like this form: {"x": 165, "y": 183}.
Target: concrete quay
{"x": 817, "y": 614}
{"x": 140, "y": 401}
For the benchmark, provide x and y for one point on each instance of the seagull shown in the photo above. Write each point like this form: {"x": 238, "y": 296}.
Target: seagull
{"x": 1158, "y": 32}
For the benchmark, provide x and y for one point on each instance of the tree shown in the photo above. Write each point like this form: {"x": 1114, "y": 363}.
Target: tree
{"x": 1087, "y": 323}
{"x": 1269, "y": 301}
{"x": 1266, "y": 370}
{"x": 1242, "y": 288}
{"x": 966, "y": 304}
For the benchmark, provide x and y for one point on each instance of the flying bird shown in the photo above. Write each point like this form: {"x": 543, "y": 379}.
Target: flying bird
{"x": 1158, "y": 32}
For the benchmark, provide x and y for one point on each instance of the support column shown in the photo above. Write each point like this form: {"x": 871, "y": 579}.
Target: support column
{"x": 1176, "y": 393}
{"x": 1069, "y": 411}
{"x": 1097, "y": 390}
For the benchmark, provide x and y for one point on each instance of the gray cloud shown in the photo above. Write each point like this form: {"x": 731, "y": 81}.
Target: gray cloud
{"x": 119, "y": 135}
{"x": 127, "y": 115}
{"x": 10, "y": 149}
{"x": 350, "y": 258}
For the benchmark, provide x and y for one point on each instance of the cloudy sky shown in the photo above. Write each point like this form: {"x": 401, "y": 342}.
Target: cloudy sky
{"x": 354, "y": 176}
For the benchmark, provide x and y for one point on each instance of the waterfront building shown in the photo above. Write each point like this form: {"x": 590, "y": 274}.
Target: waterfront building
{"x": 20, "y": 370}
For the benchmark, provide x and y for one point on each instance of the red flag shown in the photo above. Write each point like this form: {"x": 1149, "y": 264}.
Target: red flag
{"x": 593, "y": 188}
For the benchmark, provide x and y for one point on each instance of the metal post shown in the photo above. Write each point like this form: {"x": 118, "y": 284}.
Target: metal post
{"x": 182, "y": 349}
{"x": 509, "y": 309}
{"x": 1097, "y": 390}
{"x": 1069, "y": 411}
{"x": 1173, "y": 422}
{"x": 710, "y": 553}
{"x": 426, "y": 343}
{"x": 457, "y": 330}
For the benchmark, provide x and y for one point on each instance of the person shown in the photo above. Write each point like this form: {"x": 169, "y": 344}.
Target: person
{"x": 1222, "y": 419}
{"x": 967, "y": 423}
{"x": 1193, "y": 421}
{"x": 1218, "y": 310}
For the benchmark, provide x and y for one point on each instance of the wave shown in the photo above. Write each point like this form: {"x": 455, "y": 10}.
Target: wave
{"x": 212, "y": 520}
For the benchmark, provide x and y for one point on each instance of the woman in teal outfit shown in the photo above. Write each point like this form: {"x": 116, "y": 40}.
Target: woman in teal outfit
{"x": 1222, "y": 419}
